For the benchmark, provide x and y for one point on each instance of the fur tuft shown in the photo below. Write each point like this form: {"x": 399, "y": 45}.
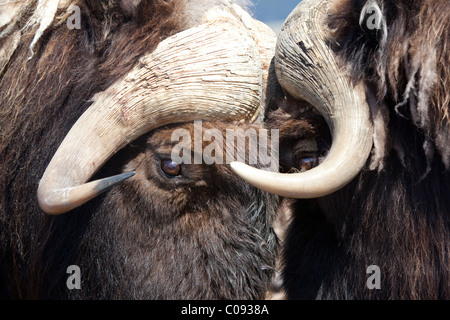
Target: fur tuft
{"x": 395, "y": 214}
{"x": 405, "y": 67}
{"x": 154, "y": 237}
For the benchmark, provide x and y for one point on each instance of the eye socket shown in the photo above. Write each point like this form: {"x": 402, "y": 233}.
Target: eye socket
{"x": 307, "y": 163}
{"x": 170, "y": 168}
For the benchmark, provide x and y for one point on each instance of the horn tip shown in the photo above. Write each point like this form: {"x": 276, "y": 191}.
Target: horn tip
{"x": 58, "y": 201}
{"x": 106, "y": 183}
{"x": 239, "y": 168}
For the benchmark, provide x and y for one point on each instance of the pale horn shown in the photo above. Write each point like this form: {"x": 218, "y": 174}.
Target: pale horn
{"x": 307, "y": 69}
{"x": 213, "y": 71}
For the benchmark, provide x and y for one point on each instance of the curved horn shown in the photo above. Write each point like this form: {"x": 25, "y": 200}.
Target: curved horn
{"x": 199, "y": 73}
{"x": 307, "y": 69}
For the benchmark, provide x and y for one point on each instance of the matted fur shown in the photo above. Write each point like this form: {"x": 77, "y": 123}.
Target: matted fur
{"x": 408, "y": 71}
{"x": 129, "y": 243}
{"x": 396, "y": 213}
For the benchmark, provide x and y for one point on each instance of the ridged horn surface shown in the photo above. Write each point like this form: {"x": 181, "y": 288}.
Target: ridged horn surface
{"x": 213, "y": 71}
{"x": 307, "y": 69}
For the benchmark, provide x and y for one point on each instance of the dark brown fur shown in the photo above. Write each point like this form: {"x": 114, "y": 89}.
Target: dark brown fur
{"x": 408, "y": 74}
{"x": 397, "y": 215}
{"x": 207, "y": 237}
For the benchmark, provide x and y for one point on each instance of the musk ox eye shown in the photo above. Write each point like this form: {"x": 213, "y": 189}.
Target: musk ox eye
{"x": 170, "y": 168}
{"x": 307, "y": 163}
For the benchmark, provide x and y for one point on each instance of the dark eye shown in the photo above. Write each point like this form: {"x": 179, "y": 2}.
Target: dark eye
{"x": 307, "y": 163}
{"x": 170, "y": 168}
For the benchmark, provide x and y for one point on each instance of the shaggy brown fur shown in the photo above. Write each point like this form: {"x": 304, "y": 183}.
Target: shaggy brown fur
{"x": 408, "y": 73}
{"x": 203, "y": 235}
{"x": 149, "y": 238}
{"x": 41, "y": 98}
{"x": 398, "y": 216}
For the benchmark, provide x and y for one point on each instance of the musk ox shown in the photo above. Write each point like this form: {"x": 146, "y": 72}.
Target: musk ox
{"x": 371, "y": 220}
{"x": 91, "y": 103}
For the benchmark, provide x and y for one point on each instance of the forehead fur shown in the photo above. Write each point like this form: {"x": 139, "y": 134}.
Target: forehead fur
{"x": 20, "y": 17}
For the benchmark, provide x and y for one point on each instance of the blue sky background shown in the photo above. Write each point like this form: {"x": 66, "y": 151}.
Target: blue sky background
{"x": 273, "y": 12}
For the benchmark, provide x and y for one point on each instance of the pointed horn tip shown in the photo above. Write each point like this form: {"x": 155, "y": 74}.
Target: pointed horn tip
{"x": 287, "y": 185}
{"x": 237, "y": 166}
{"x": 253, "y": 176}
{"x": 59, "y": 201}
{"x": 241, "y": 169}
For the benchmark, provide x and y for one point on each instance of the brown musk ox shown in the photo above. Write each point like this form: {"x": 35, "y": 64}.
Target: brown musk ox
{"x": 371, "y": 211}
{"x": 90, "y": 92}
